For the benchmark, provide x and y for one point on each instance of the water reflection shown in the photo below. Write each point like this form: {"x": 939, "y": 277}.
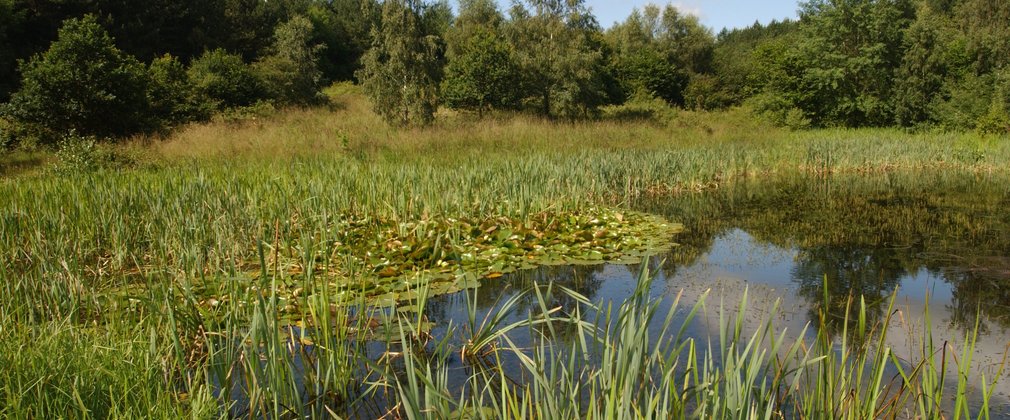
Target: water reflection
{"x": 866, "y": 236}
{"x": 947, "y": 237}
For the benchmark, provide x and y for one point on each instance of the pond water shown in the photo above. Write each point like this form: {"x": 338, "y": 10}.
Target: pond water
{"x": 941, "y": 238}
{"x": 944, "y": 239}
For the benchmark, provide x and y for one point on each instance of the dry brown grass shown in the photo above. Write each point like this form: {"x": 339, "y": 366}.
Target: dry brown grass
{"x": 350, "y": 124}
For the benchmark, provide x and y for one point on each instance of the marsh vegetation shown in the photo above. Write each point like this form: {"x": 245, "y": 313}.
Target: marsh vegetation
{"x": 292, "y": 283}
{"x": 502, "y": 214}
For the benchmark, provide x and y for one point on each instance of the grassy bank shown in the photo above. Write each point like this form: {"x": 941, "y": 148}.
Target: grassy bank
{"x": 184, "y": 264}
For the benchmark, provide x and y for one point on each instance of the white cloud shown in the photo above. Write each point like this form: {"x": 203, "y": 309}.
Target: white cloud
{"x": 689, "y": 8}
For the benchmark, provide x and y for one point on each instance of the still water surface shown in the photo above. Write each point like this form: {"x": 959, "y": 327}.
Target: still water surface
{"x": 941, "y": 238}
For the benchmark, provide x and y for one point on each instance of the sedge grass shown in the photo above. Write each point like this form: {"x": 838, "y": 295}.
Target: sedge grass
{"x": 215, "y": 197}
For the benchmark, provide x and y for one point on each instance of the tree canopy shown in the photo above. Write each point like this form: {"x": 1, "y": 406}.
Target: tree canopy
{"x": 849, "y": 63}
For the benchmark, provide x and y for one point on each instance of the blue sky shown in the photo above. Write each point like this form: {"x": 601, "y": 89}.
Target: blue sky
{"x": 716, "y": 14}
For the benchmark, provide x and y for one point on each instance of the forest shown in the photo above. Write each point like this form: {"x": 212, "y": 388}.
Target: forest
{"x": 114, "y": 69}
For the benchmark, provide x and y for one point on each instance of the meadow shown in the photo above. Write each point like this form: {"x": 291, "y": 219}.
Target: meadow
{"x": 249, "y": 267}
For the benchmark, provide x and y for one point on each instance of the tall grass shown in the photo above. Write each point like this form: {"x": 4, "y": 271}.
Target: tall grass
{"x": 156, "y": 287}
{"x": 639, "y": 363}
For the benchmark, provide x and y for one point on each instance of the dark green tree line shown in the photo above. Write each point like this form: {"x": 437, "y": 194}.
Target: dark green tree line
{"x": 851, "y": 63}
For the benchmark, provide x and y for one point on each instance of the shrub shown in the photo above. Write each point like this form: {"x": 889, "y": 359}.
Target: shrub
{"x": 779, "y": 111}
{"x": 6, "y": 133}
{"x": 640, "y": 107}
{"x": 256, "y": 111}
{"x": 75, "y": 154}
{"x": 83, "y": 83}
{"x": 171, "y": 94}
{"x": 78, "y": 153}
{"x": 222, "y": 80}
{"x": 996, "y": 121}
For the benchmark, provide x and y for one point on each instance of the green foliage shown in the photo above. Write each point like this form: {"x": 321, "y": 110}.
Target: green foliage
{"x": 481, "y": 73}
{"x": 402, "y": 71}
{"x": 344, "y": 27}
{"x": 171, "y": 95}
{"x": 962, "y": 101}
{"x": 252, "y": 112}
{"x": 778, "y": 111}
{"x": 560, "y": 60}
{"x": 75, "y": 154}
{"x": 849, "y": 53}
{"x": 290, "y": 73}
{"x": 739, "y": 73}
{"x": 222, "y": 80}
{"x": 6, "y": 133}
{"x": 10, "y": 28}
{"x": 640, "y": 108}
{"x": 660, "y": 51}
{"x": 986, "y": 26}
{"x": 997, "y": 119}
{"x": 926, "y": 67}
{"x": 84, "y": 83}
{"x": 954, "y": 70}
{"x": 15, "y": 133}
{"x": 646, "y": 70}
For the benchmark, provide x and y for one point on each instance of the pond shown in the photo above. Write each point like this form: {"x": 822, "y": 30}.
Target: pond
{"x": 942, "y": 239}
{"x": 803, "y": 252}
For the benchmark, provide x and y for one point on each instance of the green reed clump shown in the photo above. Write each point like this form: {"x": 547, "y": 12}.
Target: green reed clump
{"x": 636, "y": 366}
{"x": 160, "y": 263}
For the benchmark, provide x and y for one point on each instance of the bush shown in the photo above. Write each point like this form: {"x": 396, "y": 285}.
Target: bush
{"x": 640, "y": 107}
{"x": 256, "y": 111}
{"x": 6, "y": 133}
{"x": 963, "y": 101}
{"x": 779, "y": 111}
{"x": 76, "y": 154}
{"x": 705, "y": 92}
{"x": 222, "y": 80}
{"x": 996, "y": 121}
{"x": 171, "y": 94}
{"x": 83, "y": 83}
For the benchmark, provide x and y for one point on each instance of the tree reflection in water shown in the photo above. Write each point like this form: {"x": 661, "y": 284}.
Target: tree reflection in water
{"x": 866, "y": 234}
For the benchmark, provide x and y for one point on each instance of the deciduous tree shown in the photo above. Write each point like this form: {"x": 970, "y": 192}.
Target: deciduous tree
{"x": 82, "y": 83}
{"x": 481, "y": 73}
{"x": 402, "y": 71}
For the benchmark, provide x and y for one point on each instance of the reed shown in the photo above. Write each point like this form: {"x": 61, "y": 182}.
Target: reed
{"x": 197, "y": 279}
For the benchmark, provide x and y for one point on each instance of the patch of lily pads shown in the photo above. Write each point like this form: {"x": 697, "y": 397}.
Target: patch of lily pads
{"x": 450, "y": 255}
{"x": 389, "y": 263}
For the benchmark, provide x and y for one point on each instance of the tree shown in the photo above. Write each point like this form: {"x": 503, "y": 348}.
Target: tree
{"x": 290, "y": 72}
{"x": 560, "y": 61}
{"x": 402, "y": 71}
{"x": 852, "y": 49}
{"x": 481, "y": 73}
{"x": 738, "y": 73}
{"x": 83, "y": 83}
{"x": 10, "y": 30}
{"x": 344, "y": 27}
{"x": 839, "y": 68}
{"x": 171, "y": 94}
{"x": 925, "y": 66}
{"x": 659, "y": 51}
{"x": 222, "y": 80}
